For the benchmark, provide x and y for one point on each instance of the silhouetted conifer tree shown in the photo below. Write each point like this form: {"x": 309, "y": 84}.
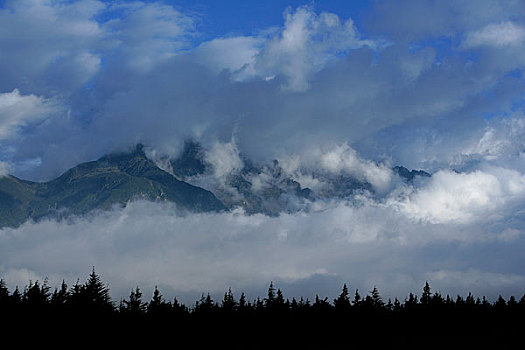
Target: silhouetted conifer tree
{"x": 270, "y": 300}
{"x": 205, "y": 304}
{"x": 374, "y": 299}
{"x": 321, "y": 305}
{"x": 60, "y": 296}
{"x": 242, "y": 302}
{"x": 4, "y": 293}
{"x": 426, "y": 296}
{"x": 342, "y": 302}
{"x": 512, "y": 303}
{"x": 158, "y": 306}
{"x": 522, "y": 302}
{"x": 134, "y": 305}
{"x": 437, "y": 300}
{"x": 95, "y": 294}
{"x": 36, "y": 296}
{"x": 500, "y": 303}
{"x": 228, "y": 302}
{"x": 412, "y": 301}
{"x": 279, "y": 299}
{"x": 470, "y": 301}
{"x": 179, "y": 308}
{"x": 397, "y": 305}
{"x": 357, "y": 298}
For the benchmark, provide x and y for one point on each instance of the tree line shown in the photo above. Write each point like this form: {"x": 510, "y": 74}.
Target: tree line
{"x": 428, "y": 314}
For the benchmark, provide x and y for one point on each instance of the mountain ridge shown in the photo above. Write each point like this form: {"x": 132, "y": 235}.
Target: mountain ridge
{"x": 100, "y": 184}
{"x": 119, "y": 178}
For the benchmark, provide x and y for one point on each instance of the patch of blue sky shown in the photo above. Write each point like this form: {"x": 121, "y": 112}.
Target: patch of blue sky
{"x": 227, "y": 18}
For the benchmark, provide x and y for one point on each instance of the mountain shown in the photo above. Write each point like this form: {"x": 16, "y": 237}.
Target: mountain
{"x": 111, "y": 180}
{"x": 189, "y": 182}
{"x": 409, "y": 175}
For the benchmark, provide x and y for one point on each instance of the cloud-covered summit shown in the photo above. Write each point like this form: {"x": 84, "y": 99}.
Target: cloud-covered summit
{"x": 123, "y": 73}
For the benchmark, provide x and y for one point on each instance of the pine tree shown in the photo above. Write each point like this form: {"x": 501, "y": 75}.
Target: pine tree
{"x": 242, "y": 302}
{"x": 134, "y": 305}
{"x": 397, "y": 305}
{"x": 270, "y": 300}
{"x": 279, "y": 299}
{"x": 512, "y": 303}
{"x": 412, "y": 301}
{"x": 96, "y": 292}
{"x": 16, "y": 297}
{"x": 426, "y": 297}
{"x": 60, "y": 296}
{"x": 500, "y": 304}
{"x": 4, "y": 293}
{"x": 375, "y": 298}
{"x": 228, "y": 302}
{"x": 357, "y": 298}
{"x": 205, "y": 304}
{"x": 342, "y": 302}
{"x": 36, "y": 296}
{"x": 158, "y": 306}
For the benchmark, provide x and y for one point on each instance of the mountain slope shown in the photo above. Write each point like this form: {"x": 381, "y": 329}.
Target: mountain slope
{"x": 100, "y": 184}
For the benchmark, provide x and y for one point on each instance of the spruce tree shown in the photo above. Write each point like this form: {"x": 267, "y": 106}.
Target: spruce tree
{"x": 270, "y": 300}
{"x": 228, "y": 302}
{"x": 342, "y": 302}
{"x": 357, "y": 298}
{"x": 242, "y": 302}
{"x": 60, "y": 296}
{"x": 426, "y": 297}
{"x": 158, "y": 306}
{"x": 94, "y": 295}
{"x": 4, "y": 293}
{"x": 134, "y": 305}
{"x": 375, "y": 298}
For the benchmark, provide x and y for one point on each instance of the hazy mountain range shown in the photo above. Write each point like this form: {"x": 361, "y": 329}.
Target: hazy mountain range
{"x": 117, "y": 179}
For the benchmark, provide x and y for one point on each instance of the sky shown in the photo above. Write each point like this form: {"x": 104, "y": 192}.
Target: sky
{"x": 329, "y": 86}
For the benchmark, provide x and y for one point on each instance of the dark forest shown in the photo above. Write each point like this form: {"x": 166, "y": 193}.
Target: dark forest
{"x": 86, "y": 310}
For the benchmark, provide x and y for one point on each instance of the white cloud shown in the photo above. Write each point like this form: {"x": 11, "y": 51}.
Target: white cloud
{"x": 51, "y": 45}
{"x": 150, "y": 244}
{"x": 339, "y": 159}
{"x": 497, "y": 34}
{"x": 4, "y": 169}
{"x": 451, "y": 197}
{"x": 17, "y": 111}
{"x": 224, "y": 158}
{"x": 305, "y": 45}
{"x": 236, "y": 54}
{"x": 147, "y": 34}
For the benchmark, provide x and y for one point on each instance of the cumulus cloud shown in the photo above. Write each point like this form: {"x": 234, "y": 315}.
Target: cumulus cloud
{"x": 339, "y": 159}
{"x": 52, "y": 46}
{"x": 497, "y": 34}
{"x": 466, "y": 197}
{"x": 18, "y": 111}
{"x": 224, "y": 158}
{"x": 306, "y": 43}
{"x": 331, "y": 84}
{"x": 146, "y": 33}
{"x": 236, "y": 54}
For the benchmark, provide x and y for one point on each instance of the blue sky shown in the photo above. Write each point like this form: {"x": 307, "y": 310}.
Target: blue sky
{"x": 230, "y": 17}
{"x": 326, "y": 87}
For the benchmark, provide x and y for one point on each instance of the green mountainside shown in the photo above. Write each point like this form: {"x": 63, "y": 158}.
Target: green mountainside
{"x": 117, "y": 179}
{"x": 101, "y": 184}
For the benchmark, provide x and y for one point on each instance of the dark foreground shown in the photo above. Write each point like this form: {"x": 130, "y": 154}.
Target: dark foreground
{"x": 85, "y": 315}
